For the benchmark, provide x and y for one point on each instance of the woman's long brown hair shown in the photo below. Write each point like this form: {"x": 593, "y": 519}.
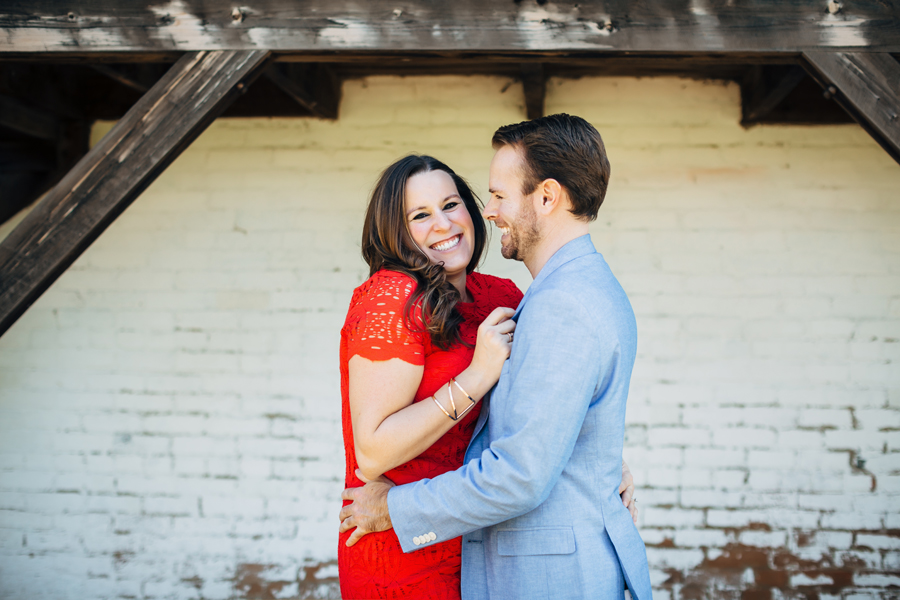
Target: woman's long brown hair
{"x": 387, "y": 244}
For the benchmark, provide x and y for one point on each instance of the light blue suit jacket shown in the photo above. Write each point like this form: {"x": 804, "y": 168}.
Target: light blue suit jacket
{"x": 537, "y": 500}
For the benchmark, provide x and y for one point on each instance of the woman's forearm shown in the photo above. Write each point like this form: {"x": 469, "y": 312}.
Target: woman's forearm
{"x": 408, "y": 432}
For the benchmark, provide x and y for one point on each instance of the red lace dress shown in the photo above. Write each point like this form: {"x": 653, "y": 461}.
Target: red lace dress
{"x": 375, "y": 567}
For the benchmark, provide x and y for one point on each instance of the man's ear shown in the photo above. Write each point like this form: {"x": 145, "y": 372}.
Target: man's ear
{"x": 549, "y": 196}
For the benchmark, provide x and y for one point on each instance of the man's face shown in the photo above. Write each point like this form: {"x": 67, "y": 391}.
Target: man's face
{"x": 509, "y": 209}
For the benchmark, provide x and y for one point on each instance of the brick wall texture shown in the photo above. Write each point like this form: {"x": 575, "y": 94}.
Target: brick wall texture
{"x": 170, "y": 409}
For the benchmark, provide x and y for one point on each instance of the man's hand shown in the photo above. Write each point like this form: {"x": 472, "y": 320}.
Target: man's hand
{"x": 369, "y": 510}
{"x": 626, "y": 491}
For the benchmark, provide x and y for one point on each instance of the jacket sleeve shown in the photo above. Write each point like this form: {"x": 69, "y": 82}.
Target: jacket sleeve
{"x": 553, "y": 373}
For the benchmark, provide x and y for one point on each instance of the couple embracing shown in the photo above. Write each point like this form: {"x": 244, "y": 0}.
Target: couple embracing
{"x": 486, "y": 428}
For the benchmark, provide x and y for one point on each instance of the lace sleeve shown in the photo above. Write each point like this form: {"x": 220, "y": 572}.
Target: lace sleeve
{"x": 376, "y": 328}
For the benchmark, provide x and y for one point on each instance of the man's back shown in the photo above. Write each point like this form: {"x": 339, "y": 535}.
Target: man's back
{"x": 575, "y": 345}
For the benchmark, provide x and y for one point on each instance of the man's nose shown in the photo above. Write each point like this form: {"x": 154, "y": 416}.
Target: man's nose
{"x": 490, "y": 210}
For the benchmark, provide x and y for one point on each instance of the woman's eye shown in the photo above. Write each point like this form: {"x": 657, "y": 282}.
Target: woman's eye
{"x": 419, "y": 216}
{"x": 451, "y": 205}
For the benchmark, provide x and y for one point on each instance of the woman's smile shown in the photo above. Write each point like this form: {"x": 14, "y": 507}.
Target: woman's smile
{"x": 448, "y": 244}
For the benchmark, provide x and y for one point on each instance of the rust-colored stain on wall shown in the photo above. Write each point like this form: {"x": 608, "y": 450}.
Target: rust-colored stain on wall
{"x": 251, "y": 583}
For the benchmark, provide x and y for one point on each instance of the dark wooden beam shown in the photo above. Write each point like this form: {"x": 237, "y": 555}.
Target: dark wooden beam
{"x": 123, "y": 78}
{"x": 27, "y": 120}
{"x": 314, "y": 87}
{"x": 130, "y": 157}
{"x": 343, "y": 26}
{"x": 298, "y": 93}
{"x": 867, "y": 86}
{"x": 534, "y": 85}
{"x": 131, "y": 76}
{"x": 759, "y": 97}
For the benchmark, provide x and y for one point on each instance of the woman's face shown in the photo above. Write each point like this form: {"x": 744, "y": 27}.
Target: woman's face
{"x": 439, "y": 222}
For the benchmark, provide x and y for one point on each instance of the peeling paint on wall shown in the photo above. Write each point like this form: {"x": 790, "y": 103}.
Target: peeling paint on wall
{"x": 745, "y": 572}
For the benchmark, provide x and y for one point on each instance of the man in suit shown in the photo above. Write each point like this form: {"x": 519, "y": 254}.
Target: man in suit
{"x": 537, "y": 501}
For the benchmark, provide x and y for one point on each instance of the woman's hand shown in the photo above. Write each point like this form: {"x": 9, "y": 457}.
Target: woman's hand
{"x": 626, "y": 491}
{"x": 494, "y": 343}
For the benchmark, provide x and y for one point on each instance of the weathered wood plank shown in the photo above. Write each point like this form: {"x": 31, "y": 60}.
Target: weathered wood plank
{"x": 868, "y": 87}
{"x": 37, "y": 26}
{"x": 140, "y": 146}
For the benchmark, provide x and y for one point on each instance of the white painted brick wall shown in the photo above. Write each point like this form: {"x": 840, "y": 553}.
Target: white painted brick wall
{"x": 169, "y": 409}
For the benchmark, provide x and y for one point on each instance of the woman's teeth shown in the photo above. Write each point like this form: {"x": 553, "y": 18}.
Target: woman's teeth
{"x": 452, "y": 242}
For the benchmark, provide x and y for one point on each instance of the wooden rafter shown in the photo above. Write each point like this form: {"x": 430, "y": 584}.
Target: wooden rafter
{"x": 759, "y": 99}
{"x": 868, "y": 87}
{"x": 776, "y": 26}
{"x": 314, "y": 87}
{"x": 123, "y": 78}
{"x": 534, "y": 85}
{"x": 130, "y": 157}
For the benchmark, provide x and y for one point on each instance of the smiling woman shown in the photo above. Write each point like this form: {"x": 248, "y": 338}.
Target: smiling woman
{"x": 441, "y": 226}
{"x": 409, "y": 207}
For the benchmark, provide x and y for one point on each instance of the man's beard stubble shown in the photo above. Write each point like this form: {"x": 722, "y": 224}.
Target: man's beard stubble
{"x": 524, "y": 235}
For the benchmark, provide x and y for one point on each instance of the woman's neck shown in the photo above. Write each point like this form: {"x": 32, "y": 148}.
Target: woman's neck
{"x": 459, "y": 282}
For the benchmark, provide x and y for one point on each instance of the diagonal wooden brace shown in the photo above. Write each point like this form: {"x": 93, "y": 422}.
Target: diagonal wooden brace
{"x": 867, "y": 85}
{"x": 113, "y": 174}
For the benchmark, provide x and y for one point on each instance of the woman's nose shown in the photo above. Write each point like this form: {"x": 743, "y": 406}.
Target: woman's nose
{"x": 441, "y": 222}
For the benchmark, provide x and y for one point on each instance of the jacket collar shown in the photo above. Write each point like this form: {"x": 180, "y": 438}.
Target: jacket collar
{"x": 577, "y": 248}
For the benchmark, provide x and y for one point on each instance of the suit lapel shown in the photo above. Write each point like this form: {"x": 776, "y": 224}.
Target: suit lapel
{"x": 574, "y": 249}
{"x": 483, "y": 415}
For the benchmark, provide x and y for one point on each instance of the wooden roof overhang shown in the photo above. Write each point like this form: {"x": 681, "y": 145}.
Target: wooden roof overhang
{"x": 166, "y": 69}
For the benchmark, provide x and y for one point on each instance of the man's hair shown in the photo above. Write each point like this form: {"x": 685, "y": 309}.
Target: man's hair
{"x": 565, "y": 148}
